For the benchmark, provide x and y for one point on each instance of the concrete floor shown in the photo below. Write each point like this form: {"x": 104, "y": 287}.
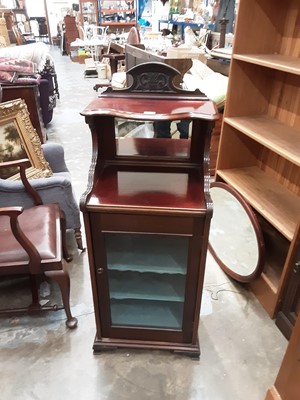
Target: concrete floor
{"x": 241, "y": 348}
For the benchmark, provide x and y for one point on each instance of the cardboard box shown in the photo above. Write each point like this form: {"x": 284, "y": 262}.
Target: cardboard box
{"x": 184, "y": 52}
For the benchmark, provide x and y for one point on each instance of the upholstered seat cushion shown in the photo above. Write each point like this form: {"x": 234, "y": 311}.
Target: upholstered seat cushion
{"x": 42, "y": 227}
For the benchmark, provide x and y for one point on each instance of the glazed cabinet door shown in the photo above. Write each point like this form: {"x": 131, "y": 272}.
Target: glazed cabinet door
{"x": 142, "y": 278}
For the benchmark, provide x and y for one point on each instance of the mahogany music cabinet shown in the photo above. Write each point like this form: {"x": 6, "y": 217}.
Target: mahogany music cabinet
{"x": 147, "y": 213}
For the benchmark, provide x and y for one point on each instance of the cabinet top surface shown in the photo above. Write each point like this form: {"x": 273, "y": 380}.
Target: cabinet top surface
{"x": 154, "y": 108}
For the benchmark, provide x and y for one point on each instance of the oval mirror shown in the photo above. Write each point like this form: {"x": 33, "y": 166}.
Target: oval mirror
{"x": 235, "y": 238}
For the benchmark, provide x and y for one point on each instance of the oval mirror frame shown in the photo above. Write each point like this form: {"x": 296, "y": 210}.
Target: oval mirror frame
{"x": 256, "y": 271}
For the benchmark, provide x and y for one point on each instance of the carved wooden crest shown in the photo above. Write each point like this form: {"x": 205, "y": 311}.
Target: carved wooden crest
{"x": 153, "y": 77}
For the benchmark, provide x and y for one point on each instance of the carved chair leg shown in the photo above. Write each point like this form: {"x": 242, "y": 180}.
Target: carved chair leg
{"x": 63, "y": 280}
{"x": 63, "y": 227}
{"x": 35, "y": 305}
{"x": 78, "y": 237}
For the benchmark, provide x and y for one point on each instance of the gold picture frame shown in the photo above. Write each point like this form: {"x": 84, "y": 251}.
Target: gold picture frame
{"x": 19, "y": 139}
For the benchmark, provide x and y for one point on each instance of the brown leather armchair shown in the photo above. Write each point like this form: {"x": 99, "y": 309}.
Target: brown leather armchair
{"x": 32, "y": 242}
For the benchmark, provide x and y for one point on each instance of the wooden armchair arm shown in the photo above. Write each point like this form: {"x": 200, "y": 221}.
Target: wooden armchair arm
{"x": 34, "y": 256}
{"x": 12, "y": 212}
{"x": 23, "y": 164}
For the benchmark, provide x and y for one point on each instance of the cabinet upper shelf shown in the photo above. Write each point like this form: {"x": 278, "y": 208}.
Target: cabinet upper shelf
{"x": 275, "y": 61}
{"x": 276, "y": 136}
{"x": 134, "y": 253}
{"x": 145, "y": 108}
{"x": 178, "y": 190}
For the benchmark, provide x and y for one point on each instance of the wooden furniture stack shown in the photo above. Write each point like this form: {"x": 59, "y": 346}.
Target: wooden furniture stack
{"x": 70, "y": 33}
{"x": 147, "y": 212}
{"x": 6, "y": 24}
{"x": 135, "y": 55}
{"x": 259, "y": 153}
{"x": 12, "y": 16}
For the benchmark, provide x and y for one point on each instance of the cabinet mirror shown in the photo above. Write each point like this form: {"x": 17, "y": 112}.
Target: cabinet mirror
{"x": 235, "y": 239}
{"x": 134, "y": 132}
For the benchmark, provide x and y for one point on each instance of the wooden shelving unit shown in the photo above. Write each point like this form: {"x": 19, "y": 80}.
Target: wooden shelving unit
{"x": 108, "y": 13}
{"x": 89, "y": 12}
{"x": 113, "y": 15}
{"x": 259, "y": 151}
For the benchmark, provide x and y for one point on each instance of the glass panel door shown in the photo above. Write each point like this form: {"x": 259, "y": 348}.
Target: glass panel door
{"x": 146, "y": 278}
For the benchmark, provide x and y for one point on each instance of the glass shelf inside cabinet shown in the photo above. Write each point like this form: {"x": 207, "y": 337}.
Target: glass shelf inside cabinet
{"x": 146, "y": 276}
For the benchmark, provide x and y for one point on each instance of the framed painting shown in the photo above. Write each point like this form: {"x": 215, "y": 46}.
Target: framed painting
{"x": 19, "y": 139}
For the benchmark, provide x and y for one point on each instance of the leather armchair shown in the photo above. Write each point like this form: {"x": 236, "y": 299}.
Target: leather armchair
{"x": 54, "y": 189}
{"x": 32, "y": 243}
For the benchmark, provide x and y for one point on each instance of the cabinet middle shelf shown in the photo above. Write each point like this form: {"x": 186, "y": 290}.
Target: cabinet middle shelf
{"x": 179, "y": 190}
{"x": 146, "y": 286}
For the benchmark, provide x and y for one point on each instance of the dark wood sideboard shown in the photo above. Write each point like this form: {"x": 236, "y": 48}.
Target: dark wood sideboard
{"x": 30, "y": 94}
